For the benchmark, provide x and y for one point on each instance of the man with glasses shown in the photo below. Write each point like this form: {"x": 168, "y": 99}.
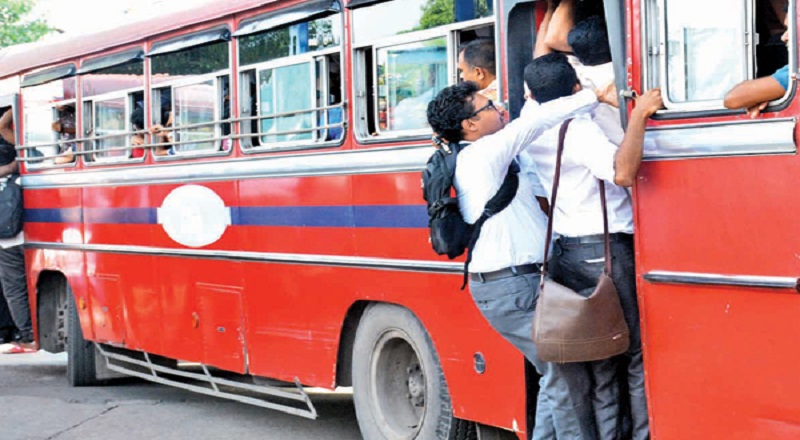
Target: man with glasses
{"x": 507, "y": 257}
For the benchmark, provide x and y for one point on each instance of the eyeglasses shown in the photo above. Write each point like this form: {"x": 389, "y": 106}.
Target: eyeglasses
{"x": 490, "y": 105}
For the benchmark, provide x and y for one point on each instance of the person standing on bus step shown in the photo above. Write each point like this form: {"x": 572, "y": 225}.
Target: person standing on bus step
{"x": 754, "y": 95}
{"x": 8, "y": 331}
{"x": 588, "y": 156}
{"x": 476, "y": 63}
{"x": 507, "y": 257}
{"x": 13, "y": 278}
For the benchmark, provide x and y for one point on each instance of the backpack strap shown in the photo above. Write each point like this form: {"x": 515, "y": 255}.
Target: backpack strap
{"x": 501, "y": 200}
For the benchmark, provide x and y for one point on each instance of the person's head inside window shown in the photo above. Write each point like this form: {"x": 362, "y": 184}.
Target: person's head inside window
{"x": 589, "y": 41}
{"x": 162, "y": 131}
{"x": 551, "y": 77}
{"x": 476, "y": 62}
{"x": 64, "y": 125}
{"x": 137, "y": 124}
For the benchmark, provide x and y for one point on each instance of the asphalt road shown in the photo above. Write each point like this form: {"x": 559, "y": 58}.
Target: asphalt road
{"x": 36, "y": 403}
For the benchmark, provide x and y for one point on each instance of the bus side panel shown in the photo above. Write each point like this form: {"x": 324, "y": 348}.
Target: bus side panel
{"x": 721, "y": 361}
{"x": 295, "y": 319}
{"x": 54, "y": 215}
{"x": 393, "y": 208}
{"x": 69, "y": 263}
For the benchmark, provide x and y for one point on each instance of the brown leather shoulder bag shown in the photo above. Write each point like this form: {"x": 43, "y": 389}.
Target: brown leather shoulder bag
{"x": 570, "y": 327}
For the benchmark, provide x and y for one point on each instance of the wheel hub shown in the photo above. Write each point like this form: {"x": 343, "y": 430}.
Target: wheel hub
{"x": 416, "y": 386}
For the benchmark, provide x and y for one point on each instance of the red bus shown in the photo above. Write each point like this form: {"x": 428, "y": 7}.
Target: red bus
{"x": 278, "y": 231}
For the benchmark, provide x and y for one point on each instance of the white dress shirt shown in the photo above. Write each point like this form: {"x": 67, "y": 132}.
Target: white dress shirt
{"x": 605, "y": 115}
{"x": 515, "y": 235}
{"x": 588, "y": 156}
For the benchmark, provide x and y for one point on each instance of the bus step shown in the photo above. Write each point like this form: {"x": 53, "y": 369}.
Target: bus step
{"x": 125, "y": 364}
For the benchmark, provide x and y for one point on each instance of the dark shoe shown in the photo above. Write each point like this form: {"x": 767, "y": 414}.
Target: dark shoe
{"x": 8, "y": 335}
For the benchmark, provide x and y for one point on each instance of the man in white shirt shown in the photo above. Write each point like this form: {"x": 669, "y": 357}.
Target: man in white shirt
{"x": 507, "y": 257}
{"x": 588, "y": 156}
{"x": 476, "y": 63}
{"x": 592, "y": 62}
{"x": 13, "y": 279}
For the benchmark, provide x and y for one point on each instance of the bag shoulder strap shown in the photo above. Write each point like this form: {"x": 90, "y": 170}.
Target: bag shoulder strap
{"x": 500, "y": 201}
{"x": 556, "y": 178}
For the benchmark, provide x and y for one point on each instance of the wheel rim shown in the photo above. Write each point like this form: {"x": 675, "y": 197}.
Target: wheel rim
{"x": 398, "y": 386}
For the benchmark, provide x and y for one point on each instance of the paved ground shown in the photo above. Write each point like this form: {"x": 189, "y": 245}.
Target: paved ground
{"x": 37, "y": 404}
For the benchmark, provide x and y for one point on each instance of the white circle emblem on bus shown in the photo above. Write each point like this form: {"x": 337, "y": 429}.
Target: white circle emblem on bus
{"x": 194, "y": 216}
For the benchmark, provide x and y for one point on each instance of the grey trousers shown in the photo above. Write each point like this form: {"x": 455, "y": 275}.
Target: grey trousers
{"x": 616, "y": 386}
{"x": 509, "y": 305}
{"x": 14, "y": 283}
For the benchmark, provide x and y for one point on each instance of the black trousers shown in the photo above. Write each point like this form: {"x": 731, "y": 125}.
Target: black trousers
{"x": 619, "y": 395}
{"x": 14, "y": 283}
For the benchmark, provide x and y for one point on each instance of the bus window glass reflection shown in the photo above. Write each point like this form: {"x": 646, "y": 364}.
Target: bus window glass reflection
{"x": 409, "y": 76}
{"x": 702, "y": 64}
{"x": 50, "y": 122}
{"x": 286, "y": 90}
{"x": 290, "y": 84}
{"x": 186, "y": 110}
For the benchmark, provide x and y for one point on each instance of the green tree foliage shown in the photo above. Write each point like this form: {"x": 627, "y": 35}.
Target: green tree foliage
{"x": 441, "y": 12}
{"x": 437, "y": 13}
{"x": 14, "y": 28}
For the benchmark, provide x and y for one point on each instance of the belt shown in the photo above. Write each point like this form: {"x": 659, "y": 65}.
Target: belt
{"x": 596, "y": 238}
{"x": 524, "y": 269}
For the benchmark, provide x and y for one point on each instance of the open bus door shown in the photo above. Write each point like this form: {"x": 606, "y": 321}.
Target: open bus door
{"x": 718, "y": 249}
{"x": 11, "y": 102}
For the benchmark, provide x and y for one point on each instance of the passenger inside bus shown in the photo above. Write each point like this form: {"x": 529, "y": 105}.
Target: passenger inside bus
{"x": 558, "y": 21}
{"x": 476, "y": 63}
{"x": 6, "y": 126}
{"x": 161, "y": 131}
{"x": 64, "y": 126}
{"x": 754, "y": 95}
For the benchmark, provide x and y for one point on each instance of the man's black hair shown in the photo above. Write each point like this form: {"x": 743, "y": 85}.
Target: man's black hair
{"x": 450, "y": 107}
{"x": 550, "y": 77}
{"x": 480, "y": 53}
{"x": 137, "y": 118}
{"x": 589, "y": 41}
{"x": 587, "y": 8}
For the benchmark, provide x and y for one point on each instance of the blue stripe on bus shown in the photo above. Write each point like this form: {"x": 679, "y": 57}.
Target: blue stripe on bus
{"x": 55, "y": 215}
{"x": 382, "y": 216}
{"x": 130, "y": 216}
{"x": 392, "y": 216}
{"x": 315, "y": 216}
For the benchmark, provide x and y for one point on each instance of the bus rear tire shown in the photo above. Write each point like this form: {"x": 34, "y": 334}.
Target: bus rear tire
{"x": 80, "y": 352}
{"x": 399, "y": 389}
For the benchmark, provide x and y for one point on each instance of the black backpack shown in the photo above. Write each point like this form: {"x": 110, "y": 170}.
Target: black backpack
{"x": 449, "y": 234}
{"x": 11, "y": 210}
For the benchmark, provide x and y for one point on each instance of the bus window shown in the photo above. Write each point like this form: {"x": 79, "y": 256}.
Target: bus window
{"x": 400, "y": 65}
{"x": 185, "y": 105}
{"x": 291, "y": 84}
{"x": 109, "y": 97}
{"x": 109, "y": 120}
{"x": 409, "y": 76}
{"x": 696, "y": 54}
{"x": 50, "y": 123}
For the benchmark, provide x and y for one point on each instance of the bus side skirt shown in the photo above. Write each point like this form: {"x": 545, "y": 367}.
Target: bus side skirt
{"x": 120, "y": 361}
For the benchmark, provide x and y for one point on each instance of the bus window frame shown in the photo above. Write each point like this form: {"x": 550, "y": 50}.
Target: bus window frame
{"x": 49, "y": 162}
{"x": 654, "y": 65}
{"x": 86, "y": 139}
{"x": 12, "y": 101}
{"x": 219, "y": 151}
{"x": 359, "y": 84}
{"x": 311, "y": 58}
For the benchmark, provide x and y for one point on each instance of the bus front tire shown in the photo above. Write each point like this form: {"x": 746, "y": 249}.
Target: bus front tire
{"x": 399, "y": 389}
{"x": 80, "y": 352}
